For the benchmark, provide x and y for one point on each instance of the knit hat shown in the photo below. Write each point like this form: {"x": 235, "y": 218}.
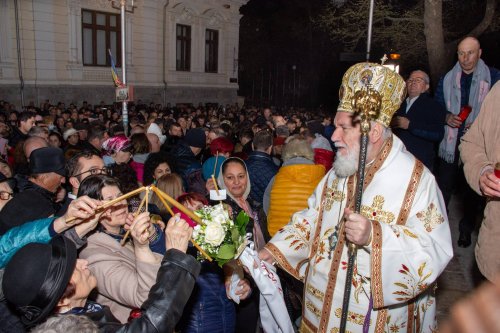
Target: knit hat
{"x": 221, "y": 145}
{"x": 47, "y": 159}
{"x": 196, "y": 138}
{"x": 36, "y": 277}
{"x": 69, "y": 132}
{"x": 155, "y": 129}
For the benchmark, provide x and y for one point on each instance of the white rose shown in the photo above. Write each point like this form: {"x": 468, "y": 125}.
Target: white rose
{"x": 214, "y": 234}
{"x": 219, "y": 219}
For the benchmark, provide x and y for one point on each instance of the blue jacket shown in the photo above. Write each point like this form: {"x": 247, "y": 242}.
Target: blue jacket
{"x": 39, "y": 231}
{"x": 189, "y": 168}
{"x": 426, "y": 128}
{"x": 261, "y": 170}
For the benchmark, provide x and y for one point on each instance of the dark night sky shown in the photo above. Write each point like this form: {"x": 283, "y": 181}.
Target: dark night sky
{"x": 277, "y": 35}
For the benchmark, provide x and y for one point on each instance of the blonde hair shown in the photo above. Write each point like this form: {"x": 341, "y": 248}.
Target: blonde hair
{"x": 297, "y": 146}
{"x": 171, "y": 184}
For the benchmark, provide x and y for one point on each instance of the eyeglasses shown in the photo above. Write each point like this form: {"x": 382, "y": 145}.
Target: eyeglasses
{"x": 416, "y": 80}
{"x": 93, "y": 172}
{"x": 5, "y": 195}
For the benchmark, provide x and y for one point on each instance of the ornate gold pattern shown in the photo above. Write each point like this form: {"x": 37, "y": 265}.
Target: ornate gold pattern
{"x": 353, "y": 317}
{"x": 387, "y": 83}
{"x": 281, "y": 260}
{"x": 430, "y": 217}
{"x": 315, "y": 292}
{"x": 375, "y": 212}
{"x": 337, "y": 330}
{"x": 381, "y": 319}
{"x": 333, "y": 195}
{"x": 306, "y": 326}
{"x": 315, "y": 311}
{"x": 379, "y": 161}
{"x": 376, "y": 263}
{"x": 411, "y": 191}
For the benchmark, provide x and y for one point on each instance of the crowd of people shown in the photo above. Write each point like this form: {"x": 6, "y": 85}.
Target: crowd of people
{"x": 291, "y": 171}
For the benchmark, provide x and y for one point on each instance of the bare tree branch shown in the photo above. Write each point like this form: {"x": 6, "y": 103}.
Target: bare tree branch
{"x": 489, "y": 14}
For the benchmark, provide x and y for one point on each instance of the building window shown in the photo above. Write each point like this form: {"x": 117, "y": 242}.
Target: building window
{"x": 183, "y": 48}
{"x": 100, "y": 32}
{"x": 211, "y": 50}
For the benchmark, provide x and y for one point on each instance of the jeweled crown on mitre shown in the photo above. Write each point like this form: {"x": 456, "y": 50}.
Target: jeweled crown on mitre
{"x": 388, "y": 84}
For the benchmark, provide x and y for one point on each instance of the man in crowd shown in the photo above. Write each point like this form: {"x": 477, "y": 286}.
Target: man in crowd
{"x": 173, "y": 137}
{"x": 419, "y": 122}
{"x": 26, "y": 121}
{"x": 97, "y": 134}
{"x": 78, "y": 167}
{"x": 466, "y": 84}
{"x": 187, "y": 165}
{"x": 37, "y": 199}
{"x": 479, "y": 152}
{"x": 402, "y": 232}
{"x": 260, "y": 165}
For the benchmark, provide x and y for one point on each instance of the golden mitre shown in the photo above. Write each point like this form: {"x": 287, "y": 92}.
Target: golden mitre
{"x": 389, "y": 85}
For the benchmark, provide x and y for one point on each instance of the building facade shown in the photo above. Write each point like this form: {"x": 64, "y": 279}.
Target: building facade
{"x": 176, "y": 51}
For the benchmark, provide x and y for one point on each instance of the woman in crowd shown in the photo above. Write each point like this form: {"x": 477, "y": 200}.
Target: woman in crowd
{"x": 156, "y": 165}
{"x": 235, "y": 180}
{"x": 118, "y": 149}
{"x": 170, "y": 184}
{"x": 5, "y": 168}
{"x": 124, "y": 274}
{"x": 141, "y": 148}
{"x": 55, "y": 140}
{"x": 45, "y": 279}
{"x": 288, "y": 191}
{"x": 220, "y": 149}
{"x": 208, "y": 308}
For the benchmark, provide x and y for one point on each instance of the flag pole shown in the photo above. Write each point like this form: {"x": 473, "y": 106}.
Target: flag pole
{"x": 124, "y": 64}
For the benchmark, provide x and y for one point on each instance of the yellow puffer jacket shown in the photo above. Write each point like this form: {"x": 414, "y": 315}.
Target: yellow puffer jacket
{"x": 292, "y": 186}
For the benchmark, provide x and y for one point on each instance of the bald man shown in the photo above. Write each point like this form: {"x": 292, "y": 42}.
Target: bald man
{"x": 466, "y": 84}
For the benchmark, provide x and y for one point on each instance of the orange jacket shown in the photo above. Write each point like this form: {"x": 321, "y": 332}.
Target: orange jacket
{"x": 293, "y": 185}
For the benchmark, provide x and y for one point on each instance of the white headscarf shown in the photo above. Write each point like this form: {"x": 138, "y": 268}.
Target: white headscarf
{"x": 220, "y": 178}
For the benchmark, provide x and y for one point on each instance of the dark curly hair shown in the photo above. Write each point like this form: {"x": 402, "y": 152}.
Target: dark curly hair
{"x": 126, "y": 176}
{"x": 152, "y": 162}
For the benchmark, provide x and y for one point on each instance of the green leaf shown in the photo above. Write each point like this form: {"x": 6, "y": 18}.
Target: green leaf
{"x": 242, "y": 221}
{"x": 226, "y": 251}
{"x": 235, "y": 235}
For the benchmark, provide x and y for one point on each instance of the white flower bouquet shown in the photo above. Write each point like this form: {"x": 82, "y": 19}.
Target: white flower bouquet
{"x": 220, "y": 237}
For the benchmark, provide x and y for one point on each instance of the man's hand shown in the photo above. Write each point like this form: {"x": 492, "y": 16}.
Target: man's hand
{"x": 178, "y": 233}
{"x": 400, "y": 122}
{"x": 357, "y": 228}
{"x": 490, "y": 184}
{"x": 453, "y": 121}
{"x": 83, "y": 209}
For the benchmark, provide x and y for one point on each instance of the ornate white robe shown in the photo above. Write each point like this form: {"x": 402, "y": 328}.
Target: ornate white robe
{"x": 411, "y": 246}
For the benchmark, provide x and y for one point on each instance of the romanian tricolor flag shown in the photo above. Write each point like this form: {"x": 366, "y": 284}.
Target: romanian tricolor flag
{"x": 117, "y": 81}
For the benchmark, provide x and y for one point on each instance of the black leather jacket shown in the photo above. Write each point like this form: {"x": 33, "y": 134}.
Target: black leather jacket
{"x": 166, "y": 299}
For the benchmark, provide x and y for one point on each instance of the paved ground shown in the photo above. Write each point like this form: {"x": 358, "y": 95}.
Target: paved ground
{"x": 456, "y": 281}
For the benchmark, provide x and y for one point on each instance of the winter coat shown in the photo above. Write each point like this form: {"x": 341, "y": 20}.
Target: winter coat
{"x": 292, "y": 186}
{"x": 189, "y": 168}
{"x": 261, "y": 169}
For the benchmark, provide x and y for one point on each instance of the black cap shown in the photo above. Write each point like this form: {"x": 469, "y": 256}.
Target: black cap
{"x": 196, "y": 137}
{"x": 36, "y": 277}
{"x": 47, "y": 159}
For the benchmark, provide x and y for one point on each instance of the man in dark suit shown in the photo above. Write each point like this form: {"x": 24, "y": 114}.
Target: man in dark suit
{"x": 419, "y": 122}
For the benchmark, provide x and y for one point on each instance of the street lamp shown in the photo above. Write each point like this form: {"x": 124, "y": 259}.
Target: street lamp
{"x": 393, "y": 62}
{"x": 124, "y": 6}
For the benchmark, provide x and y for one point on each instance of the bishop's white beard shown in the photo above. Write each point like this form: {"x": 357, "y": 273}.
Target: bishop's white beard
{"x": 346, "y": 165}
